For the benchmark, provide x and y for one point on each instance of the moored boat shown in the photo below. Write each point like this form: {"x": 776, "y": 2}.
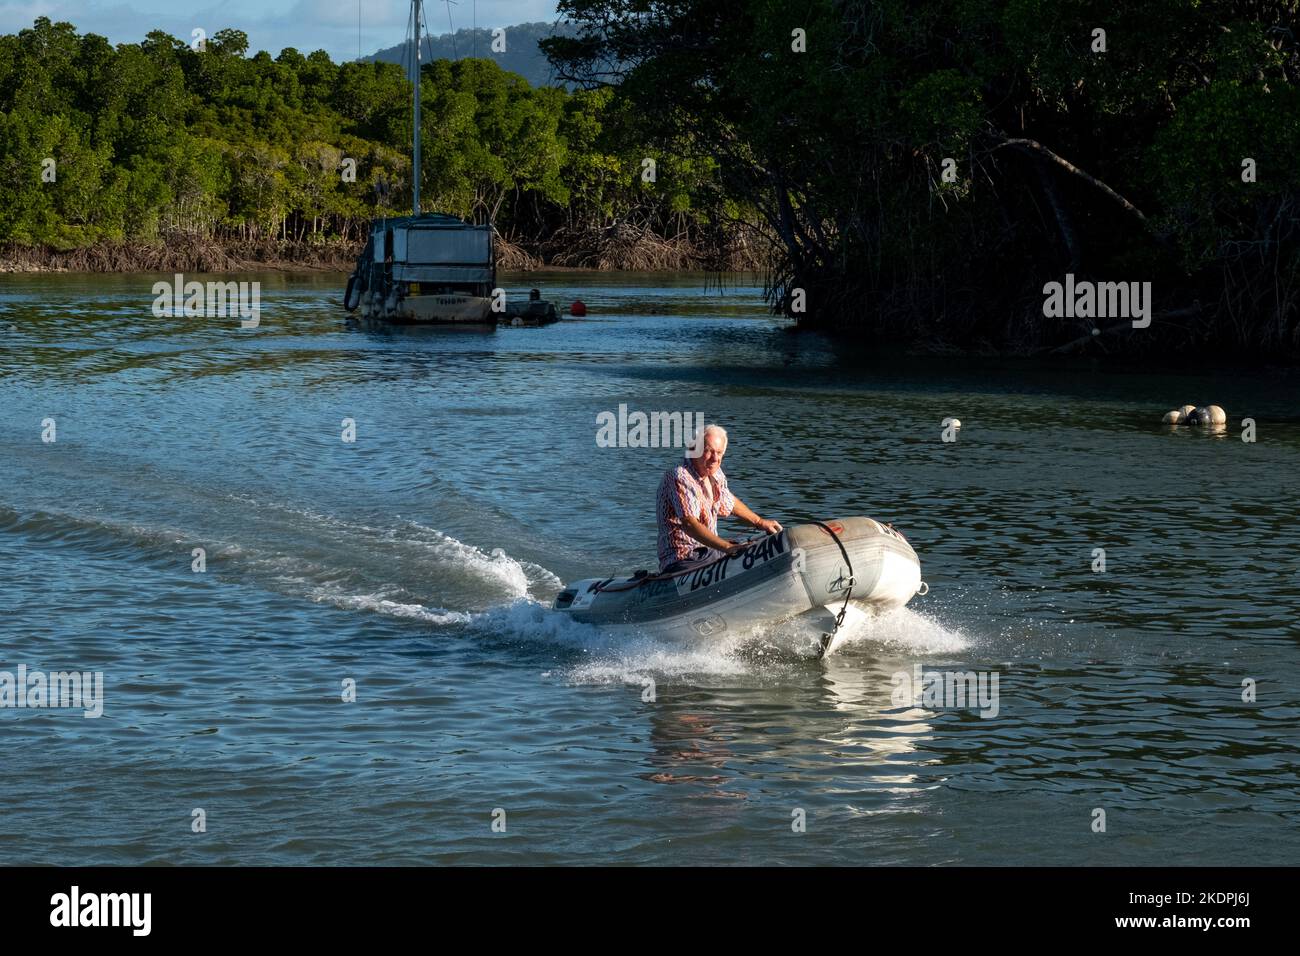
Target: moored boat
{"x": 432, "y": 268}
{"x": 425, "y": 268}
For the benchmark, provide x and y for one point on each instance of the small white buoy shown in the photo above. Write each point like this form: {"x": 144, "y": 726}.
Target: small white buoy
{"x": 1186, "y": 410}
{"x": 1173, "y": 418}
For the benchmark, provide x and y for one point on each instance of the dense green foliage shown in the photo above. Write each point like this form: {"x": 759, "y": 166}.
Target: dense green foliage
{"x": 925, "y": 166}
{"x": 1122, "y": 163}
{"x": 154, "y": 137}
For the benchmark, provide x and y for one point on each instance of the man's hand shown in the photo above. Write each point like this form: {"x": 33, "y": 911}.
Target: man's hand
{"x": 703, "y": 535}
{"x": 748, "y": 515}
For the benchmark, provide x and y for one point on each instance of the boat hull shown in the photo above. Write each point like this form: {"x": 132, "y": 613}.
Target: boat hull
{"x": 429, "y": 309}
{"x": 776, "y": 577}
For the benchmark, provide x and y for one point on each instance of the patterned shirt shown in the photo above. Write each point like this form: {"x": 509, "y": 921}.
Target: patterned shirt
{"x": 681, "y": 492}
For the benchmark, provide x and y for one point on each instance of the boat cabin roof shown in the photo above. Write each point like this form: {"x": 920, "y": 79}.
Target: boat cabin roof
{"x": 434, "y": 247}
{"x": 426, "y": 220}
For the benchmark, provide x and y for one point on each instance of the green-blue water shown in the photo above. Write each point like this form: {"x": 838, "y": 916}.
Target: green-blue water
{"x": 420, "y": 559}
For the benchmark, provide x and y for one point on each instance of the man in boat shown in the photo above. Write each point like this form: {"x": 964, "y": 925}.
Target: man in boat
{"x": 692, "y": 497}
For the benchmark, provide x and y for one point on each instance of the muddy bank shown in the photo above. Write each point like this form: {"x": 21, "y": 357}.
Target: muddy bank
{"x": 621, "y": 246}
{"x": 181, "y": 253}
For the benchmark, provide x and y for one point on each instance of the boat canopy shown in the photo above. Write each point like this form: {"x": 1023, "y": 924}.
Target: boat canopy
{"x": 434, "y": 247}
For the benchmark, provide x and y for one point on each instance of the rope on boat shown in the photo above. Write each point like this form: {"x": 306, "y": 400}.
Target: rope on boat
{"x": 848, "y": 594}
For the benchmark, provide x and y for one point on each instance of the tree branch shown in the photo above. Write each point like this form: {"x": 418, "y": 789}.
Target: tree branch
{"x": 1034, "y": 146}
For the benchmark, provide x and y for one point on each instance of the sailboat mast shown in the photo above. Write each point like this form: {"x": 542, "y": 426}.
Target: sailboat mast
{"x": 419, "y": 13}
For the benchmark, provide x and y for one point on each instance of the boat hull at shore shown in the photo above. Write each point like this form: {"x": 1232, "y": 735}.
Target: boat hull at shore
{"x": 804, "y": 568}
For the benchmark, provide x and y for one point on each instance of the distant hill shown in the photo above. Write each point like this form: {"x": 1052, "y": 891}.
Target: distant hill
{"x": 521, "y": 55}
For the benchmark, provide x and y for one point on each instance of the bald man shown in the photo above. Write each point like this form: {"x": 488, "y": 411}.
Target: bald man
{"x": 692, "y": 497}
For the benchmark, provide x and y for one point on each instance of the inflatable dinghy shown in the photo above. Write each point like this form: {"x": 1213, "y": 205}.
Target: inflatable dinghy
{"x": 805, "y": 569}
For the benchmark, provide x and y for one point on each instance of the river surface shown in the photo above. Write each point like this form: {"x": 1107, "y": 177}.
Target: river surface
{"x": 419, "y": 561}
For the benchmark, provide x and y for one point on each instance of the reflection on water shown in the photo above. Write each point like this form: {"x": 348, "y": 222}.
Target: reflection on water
{"x": 878, "y": 736}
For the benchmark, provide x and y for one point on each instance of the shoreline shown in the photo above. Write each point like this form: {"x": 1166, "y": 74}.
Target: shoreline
{"x": 191, "y": 253}
{"x": 286, "y": 266}
{"x": 290, "y": 266}
{"x": 180, "y": 253}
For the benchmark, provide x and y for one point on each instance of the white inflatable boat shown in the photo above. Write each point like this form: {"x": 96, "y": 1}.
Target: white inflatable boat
{"x": 810, "y": 568}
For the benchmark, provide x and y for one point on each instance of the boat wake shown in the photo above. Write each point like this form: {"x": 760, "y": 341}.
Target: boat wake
{"x": 769, "y": 649}
{"x": 900, "y": 629}
{"x": 419, "y": 574}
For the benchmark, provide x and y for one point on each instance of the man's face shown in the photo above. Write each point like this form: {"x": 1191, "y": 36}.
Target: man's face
{"x": 710, "y": 459}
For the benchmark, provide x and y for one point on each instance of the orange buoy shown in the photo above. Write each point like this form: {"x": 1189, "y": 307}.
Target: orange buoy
{"x": 578, "y": 308}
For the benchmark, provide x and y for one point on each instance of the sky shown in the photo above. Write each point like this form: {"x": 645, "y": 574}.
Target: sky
{"x": 308, "y": 25}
